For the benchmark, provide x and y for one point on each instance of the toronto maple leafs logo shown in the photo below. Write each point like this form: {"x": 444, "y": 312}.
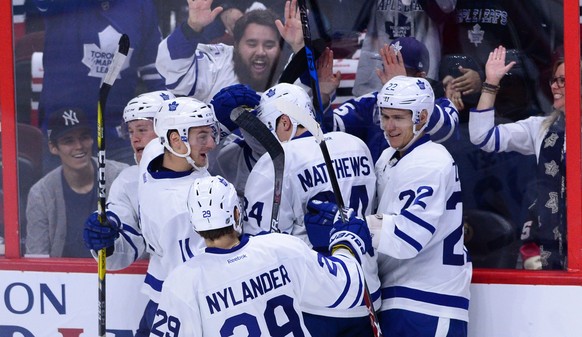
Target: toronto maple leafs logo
{"x": 173, "y": 106}
{"x": 476, "y": 35}
{"x": 164, "y": 96}
{"x": 397, "y": 47}
{"x": 552, "y": 202}
{"x": 551, "y": 168}
{"x": 400, "y": 27}
{"x": 223, "y": 181}
{"x": 421, "y": 85}
{"x": 270, "y": 93}
{"x": 551, "y": 140}
{"x": 98, "y": 57}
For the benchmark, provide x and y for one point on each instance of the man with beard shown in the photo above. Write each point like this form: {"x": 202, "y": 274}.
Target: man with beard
{"x": 192, "y": 68}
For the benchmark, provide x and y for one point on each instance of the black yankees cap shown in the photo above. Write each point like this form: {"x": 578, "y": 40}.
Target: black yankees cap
{"x": 66, "y": 120}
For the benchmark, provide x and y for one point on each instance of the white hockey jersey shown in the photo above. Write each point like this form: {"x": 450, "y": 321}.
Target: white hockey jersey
{"x": 195, "y": 69}
{"x": 423, "y": 264}
{"x": 259, "y": 287}
{"x": 305, "y": 177}
{"x": 164, "y": 218}
{"x": 122, "y": 200}
{"x": 524, "y": 136}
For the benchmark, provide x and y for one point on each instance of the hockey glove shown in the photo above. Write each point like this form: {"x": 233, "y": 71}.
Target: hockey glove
{"x": 232, "y": 97}
{"x": 319, "y": 222}
{"x": 98, "y": 236}
{"x": 353, "y": 235}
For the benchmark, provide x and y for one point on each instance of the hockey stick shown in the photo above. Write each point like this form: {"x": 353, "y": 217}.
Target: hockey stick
{"x": 293, "y": 111}
{"x": 247, "y": 121}
{"x": 313, "y": 79}
{"x": 298, "y": 64}
{"x": 112, "y": 73}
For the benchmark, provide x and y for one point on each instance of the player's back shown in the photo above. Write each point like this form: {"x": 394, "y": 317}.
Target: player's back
{"x": 306, "y": 178}
{"x": 259, "y": 285}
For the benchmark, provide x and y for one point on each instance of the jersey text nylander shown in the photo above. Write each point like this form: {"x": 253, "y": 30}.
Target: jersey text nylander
{"x": 248, "y": 290}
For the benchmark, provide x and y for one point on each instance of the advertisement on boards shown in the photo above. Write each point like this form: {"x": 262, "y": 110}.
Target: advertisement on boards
{"x": 58, "y": 304}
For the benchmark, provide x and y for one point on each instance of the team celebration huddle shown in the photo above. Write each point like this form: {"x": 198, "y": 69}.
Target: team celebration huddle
{"x": 265, "y": 206}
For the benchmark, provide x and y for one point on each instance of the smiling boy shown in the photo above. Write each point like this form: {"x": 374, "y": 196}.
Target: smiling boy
{"x": 58, "y": 201}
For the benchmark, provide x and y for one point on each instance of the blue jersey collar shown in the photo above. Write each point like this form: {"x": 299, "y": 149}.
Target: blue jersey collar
{"x": 244, "y": 239}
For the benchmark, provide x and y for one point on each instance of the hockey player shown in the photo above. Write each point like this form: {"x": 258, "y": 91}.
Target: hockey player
{"x": 123, "y": 237}
{"x": 187, "y": 131}
{"x": 259, "y": 285}
{"x": 191, "y": 67}
{"x": 360, "y": 116}
{"x": 235, "y": 160}
{"x": 305, "y": 178}
{"x": 423, "y": 264}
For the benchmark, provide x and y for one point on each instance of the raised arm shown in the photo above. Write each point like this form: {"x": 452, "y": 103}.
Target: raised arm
{"x": 483, "y": 132}
{"x": 392, "y": 64}
{"x": 291, "y": 30}
{"x": 200, "y": 14}
{"x": 495, "y": 69}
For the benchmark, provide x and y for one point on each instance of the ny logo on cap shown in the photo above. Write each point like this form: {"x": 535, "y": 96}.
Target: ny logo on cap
{"x": 70, "y": 118}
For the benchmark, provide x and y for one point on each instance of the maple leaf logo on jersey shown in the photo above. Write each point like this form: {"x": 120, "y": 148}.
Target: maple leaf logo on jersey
{"x": 173, "y": 106}
{"x": 164, "y": 96}
{"x": 223, "y": 181}
{"x": 400, "y": 28}
{"x": 476, "y": 35}
{"x": 98, "y": 58}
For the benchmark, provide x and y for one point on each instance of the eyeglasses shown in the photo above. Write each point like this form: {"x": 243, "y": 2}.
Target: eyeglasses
{"x": 561, "y": 81}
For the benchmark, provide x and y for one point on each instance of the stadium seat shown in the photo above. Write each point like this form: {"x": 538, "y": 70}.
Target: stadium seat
{"x": 30, "y": 146}
{"x": 490, "y": 239}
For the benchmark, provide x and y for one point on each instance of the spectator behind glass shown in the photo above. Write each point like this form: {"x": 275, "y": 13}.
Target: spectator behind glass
{"x": 544, "y": 235}
{"x": 360, "y": 116}
{"x": 476, "y": 28}
{"x": 67, "y": 193}
{"x": 81, "y": 38}
{"x": 233, "y": 10}
{"x": 393, "y": 19}
{"x": 191, "y": 67}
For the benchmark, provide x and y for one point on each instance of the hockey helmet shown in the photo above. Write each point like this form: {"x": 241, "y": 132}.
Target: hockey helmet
{"x": 181, "y": 114}
{"x": 268, "y": 111}
{"x": 408, "y": 93}
{"x": 212, "y": 203}
{"x": 146, "y": 105}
